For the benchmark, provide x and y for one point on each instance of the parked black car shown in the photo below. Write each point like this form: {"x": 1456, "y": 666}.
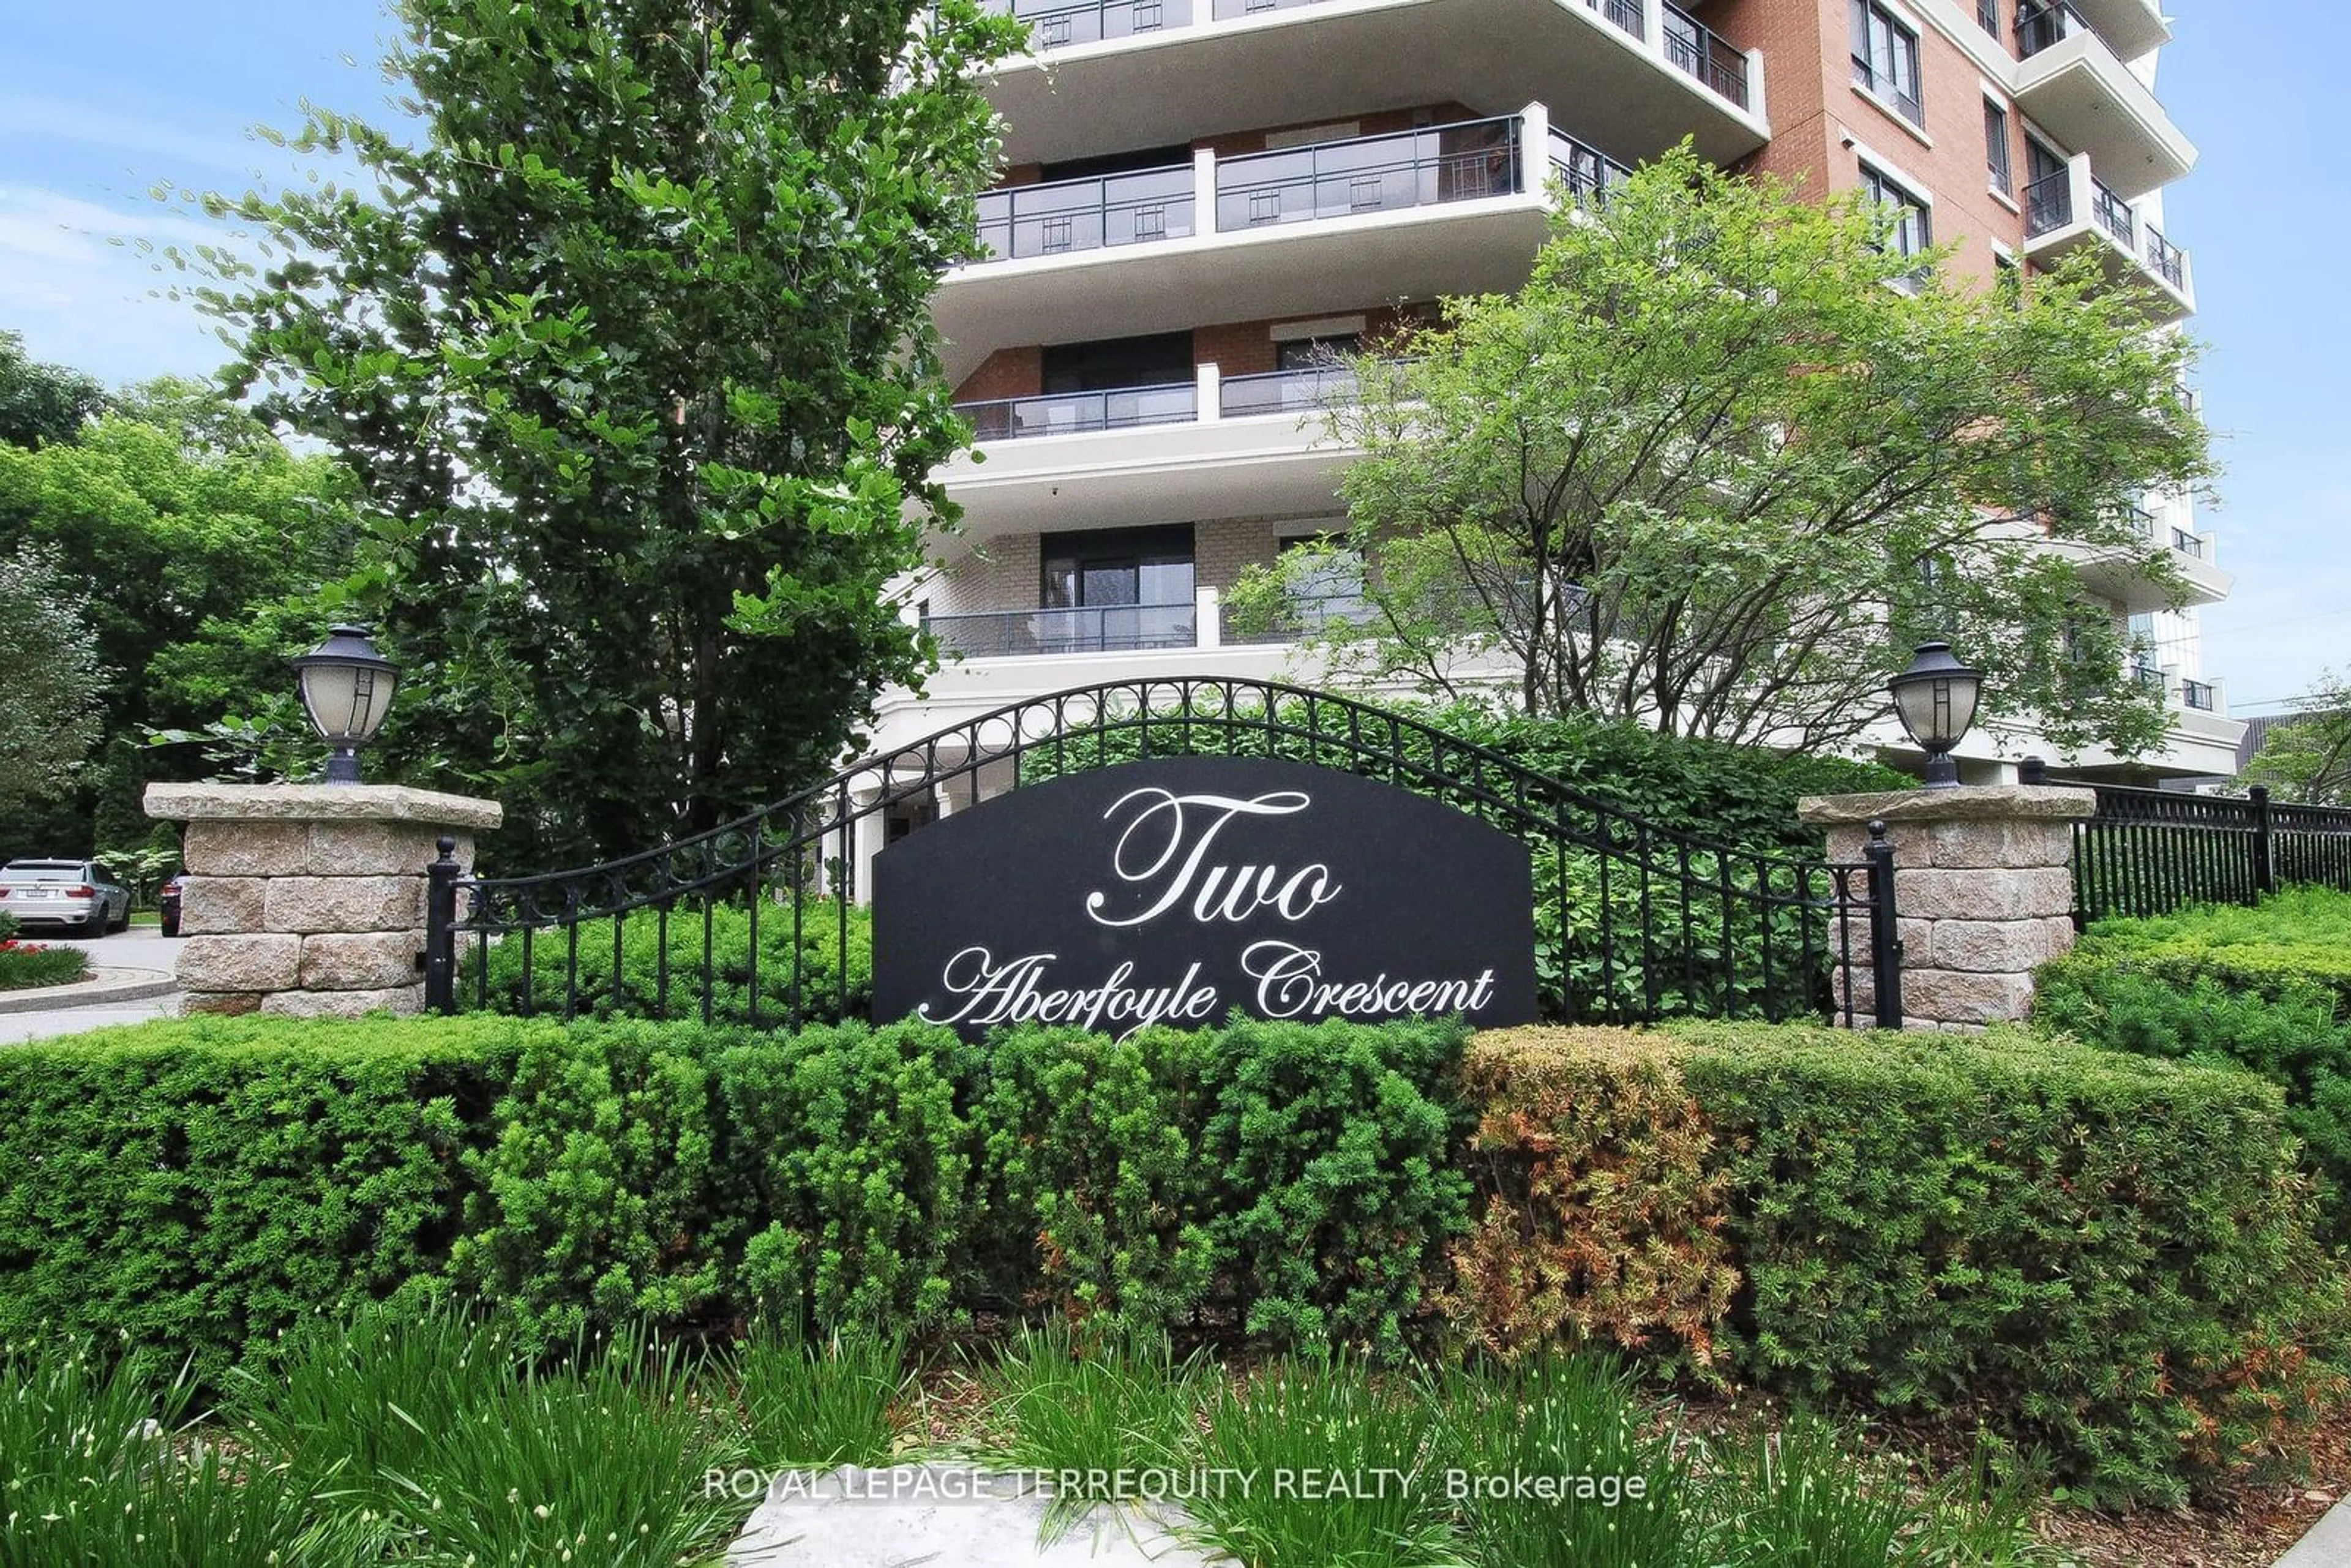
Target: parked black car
{"x": 167, "y": 901}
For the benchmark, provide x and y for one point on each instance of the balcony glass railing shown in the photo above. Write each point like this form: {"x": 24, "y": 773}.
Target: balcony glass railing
{"x": 1304, "y": 616}
{"x": 2148, "y": 678}
{"x": 1087, "y": 215}
{"x": 1067, "y": 414}
{"x": 1059, "y": 23}
{"x": 1692, "y": 46}
{"x": 2040, "y": 25}
{"x": 1587, "y": 171}
{"x": 2169, "y": 262}
{"x": 2199, "y": 696}
{"x": 2048, "y": 205}
{"x": 1092, "y": 629}
{"x": 2187, "y": 543}
{"x": 1369, "y": 174}
{"x": 1301, "y": 391}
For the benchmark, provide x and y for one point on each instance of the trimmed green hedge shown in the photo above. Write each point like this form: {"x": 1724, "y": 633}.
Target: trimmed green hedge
{"x": 202, "y": 1184}
{"x": 2267, "y": 988}
{"x": 2103, "y": 1256}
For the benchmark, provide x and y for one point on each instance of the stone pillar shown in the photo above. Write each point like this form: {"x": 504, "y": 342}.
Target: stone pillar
{"x": 309, "y": 899}
{"x": 1984, "y": 890}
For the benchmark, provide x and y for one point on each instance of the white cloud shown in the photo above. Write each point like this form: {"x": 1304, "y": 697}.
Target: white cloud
{"x": 92, "y": 286}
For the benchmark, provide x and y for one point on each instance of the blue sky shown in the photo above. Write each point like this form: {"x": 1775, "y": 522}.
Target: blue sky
{"x": 106, "y": 99}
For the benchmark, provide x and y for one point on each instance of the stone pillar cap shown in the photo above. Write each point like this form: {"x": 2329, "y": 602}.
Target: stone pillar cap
{"x": 1965, "y": 803}
{"x": 320, "y": 803}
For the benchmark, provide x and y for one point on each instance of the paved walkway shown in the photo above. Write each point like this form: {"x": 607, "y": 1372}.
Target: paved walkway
{"x": 938, "y": 1516}
{"x": 2328, "y": 1544}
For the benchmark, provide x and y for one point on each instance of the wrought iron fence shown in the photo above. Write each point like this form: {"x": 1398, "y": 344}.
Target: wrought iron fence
{"x": 757, "y": 921}
{"x": 2150, "y": 852}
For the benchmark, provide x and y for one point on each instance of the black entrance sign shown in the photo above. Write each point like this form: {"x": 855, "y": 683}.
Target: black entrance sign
{"x": 1178, "y": 889}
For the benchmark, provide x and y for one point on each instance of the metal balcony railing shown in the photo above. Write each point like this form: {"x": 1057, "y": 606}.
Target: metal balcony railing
{"x": 1369, "y": 174}
{"x": 2147, "y": 678}
{"x": 2199, "y": 696}
{"x": 1067, "y": 414}
{"x": 2169, "y": 262}
{"x": 1692, "y": 46}
{"x": 1587, "y": 171}
{"x": 2048, "y": 205}
{"x": 1087, "y": 215}
{"x": 2187, "y": 543}
{"x": 2113, "y": 214}
{"x": 2142, "y": 520}
{"x": 1301, "y": 391}
{"x": 1623, "y": 14}
{"x": 1090, "y": 629}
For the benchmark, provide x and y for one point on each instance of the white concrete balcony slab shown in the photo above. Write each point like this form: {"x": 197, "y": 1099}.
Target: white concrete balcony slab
{"x": 1450, "y": 209}
{"x": 2078, "y": 90}
{"x": 1245, "y": 445}
{"x": 2074, "y": 208}
{"x": 1103, "y": 73}
{"x": 2133, "y": 27}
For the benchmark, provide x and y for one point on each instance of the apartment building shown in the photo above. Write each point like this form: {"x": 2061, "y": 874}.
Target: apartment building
{"x": 1205, "y": 199}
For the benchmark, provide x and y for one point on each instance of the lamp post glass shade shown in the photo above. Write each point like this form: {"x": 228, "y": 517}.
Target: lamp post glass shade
{"x": 1935, "y": 699}
{"x": 346, "y": 690}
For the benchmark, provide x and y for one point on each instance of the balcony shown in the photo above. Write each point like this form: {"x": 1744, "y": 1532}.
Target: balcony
{"x": 1072, "y": 413}
{"x": 1091, "y": 629}
{"x": 1103, "y": 73}
{"x": 2074, "y": 207}
{"x": 2076, "y": 88}
{"x": 1450, "y": 209}
{"x": 2130, "y": 28}
{"x": 1220, "y": 446}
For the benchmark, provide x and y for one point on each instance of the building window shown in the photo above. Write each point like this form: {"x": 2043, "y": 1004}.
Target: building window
{"x": 1996, "y": 149}
{"x": 1315, "y": 354}
{"x": 1987, "y": 17}
{"x": 1111, "y": 589}
{"x": 1913, "y": 229}
{"x": 1885, "y": 59}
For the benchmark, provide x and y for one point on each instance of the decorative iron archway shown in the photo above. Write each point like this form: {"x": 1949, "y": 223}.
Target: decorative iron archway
{"x": 757, "y": 920}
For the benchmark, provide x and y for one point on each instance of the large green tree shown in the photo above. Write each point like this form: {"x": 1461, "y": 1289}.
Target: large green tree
{"x": 626, "y": 339}
{"x": 1728, "y": 454}
{"x": 49, "y": 699}
{"x": 41, "y": 405}
{"x": 180, "y": 521}
{"x": 2306, "y": 756}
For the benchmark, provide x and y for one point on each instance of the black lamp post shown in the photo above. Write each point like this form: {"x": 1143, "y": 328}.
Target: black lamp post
{"x": 347, "y": 689}
{"x": 1935, "y": 699}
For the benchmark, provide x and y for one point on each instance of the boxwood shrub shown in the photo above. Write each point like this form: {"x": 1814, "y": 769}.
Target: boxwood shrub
{"x": 2103, "y": 1256}
{"x": 2266, "y": 987}
{"x": 2106, "y": 1259}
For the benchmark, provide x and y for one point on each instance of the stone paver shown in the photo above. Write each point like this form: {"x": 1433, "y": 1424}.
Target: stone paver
{"x": 938, "y": 1516}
